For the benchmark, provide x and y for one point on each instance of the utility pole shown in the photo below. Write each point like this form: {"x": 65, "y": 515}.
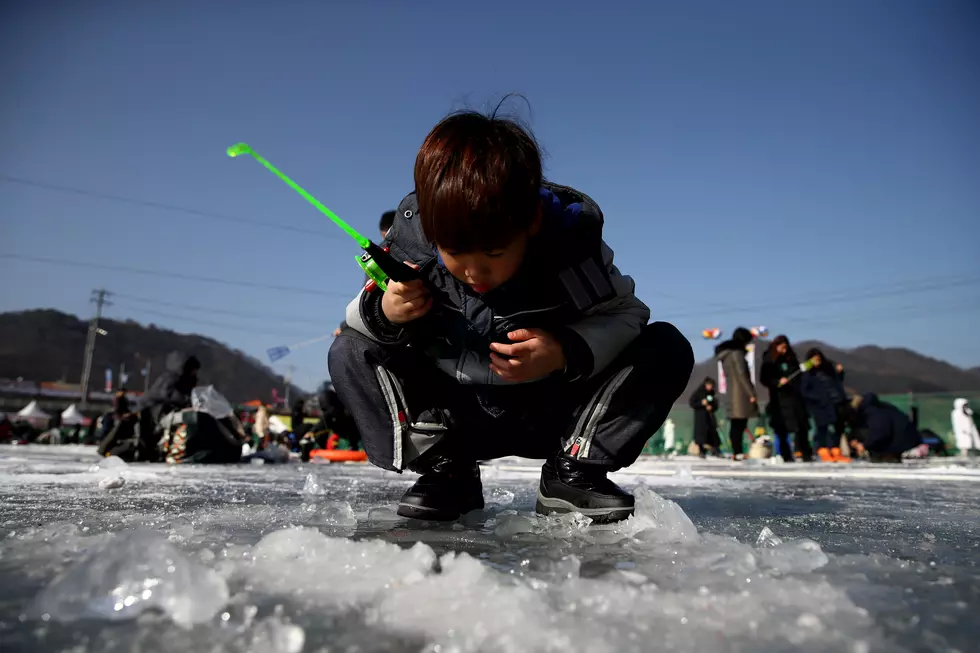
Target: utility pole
{"x": 289, "y": 380}
{"x": 99, "y": 299}
{"x": 146, "y": 376}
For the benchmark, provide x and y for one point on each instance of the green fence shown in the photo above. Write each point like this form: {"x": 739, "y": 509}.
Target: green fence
{"x": 934, "y": 414}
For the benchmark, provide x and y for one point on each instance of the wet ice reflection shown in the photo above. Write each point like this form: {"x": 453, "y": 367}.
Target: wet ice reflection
{"x": 280, "y": 558}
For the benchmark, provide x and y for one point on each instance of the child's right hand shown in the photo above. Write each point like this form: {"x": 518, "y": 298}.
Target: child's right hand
{"x": 405, "y": 302}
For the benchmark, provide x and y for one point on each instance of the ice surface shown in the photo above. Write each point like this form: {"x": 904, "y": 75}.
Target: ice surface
{"x": 762, "y": 563}
{"x": 131, "y": 573}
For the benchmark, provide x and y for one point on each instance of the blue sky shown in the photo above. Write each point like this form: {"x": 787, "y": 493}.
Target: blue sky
{"x": 810, "y": 166}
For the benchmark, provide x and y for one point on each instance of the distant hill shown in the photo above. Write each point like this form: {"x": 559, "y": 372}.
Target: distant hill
{"x": 873, "y": 369}
{"x": 47, "y": 345}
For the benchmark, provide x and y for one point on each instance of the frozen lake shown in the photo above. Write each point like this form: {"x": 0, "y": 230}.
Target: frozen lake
{"x": 312, "y": 558}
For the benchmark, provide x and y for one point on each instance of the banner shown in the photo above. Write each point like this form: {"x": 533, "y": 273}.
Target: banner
{"x": 108, "y": 379}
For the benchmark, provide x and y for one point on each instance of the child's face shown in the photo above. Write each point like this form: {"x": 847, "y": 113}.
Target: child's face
{"x": 484, "y": 271}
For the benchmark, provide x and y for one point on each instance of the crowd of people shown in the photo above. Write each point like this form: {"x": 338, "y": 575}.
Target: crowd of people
{"x": 810, "y": 396}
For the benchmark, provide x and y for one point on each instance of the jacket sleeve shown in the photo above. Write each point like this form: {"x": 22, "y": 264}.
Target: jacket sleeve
{"x": 607, "y": 328}
{"x": 696, "y": 398}
{"x": 809, "y": 389}
{"x": 767, "y": 375}
{"x": 365, "y": 316}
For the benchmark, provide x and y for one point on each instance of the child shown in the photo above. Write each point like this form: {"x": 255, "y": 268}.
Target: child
{"x": 826, "y": 399}
{"x": 522, "y": 338}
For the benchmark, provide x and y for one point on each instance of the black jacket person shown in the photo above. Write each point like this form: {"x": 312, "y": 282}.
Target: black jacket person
{"x": 786, "y": 409}
{"x": 704, "y": 401}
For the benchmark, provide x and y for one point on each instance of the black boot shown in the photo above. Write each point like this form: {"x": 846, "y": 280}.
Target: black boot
{"x": 570, "y": 486}
{"x": 447, "y": 489}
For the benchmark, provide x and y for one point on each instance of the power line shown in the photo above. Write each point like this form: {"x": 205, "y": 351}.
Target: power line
{"x": 162, "y": 206}
{"x": 219, "y": 311}
{"x": 221, "y": 325}
{"x": 896, "y": 289}
{"x": 172, "y": 275}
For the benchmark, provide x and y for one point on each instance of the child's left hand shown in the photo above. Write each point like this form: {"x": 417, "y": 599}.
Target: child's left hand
{"x": 535, "y": 355}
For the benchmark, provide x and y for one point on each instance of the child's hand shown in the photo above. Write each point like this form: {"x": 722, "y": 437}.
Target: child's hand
{"x": 535, "y": 355}
{"x": 404, "y": 302}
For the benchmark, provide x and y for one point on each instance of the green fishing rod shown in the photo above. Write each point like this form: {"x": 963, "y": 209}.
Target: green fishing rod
{"x": 376, "y": 262}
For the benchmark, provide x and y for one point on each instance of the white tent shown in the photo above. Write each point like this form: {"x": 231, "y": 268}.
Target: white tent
{"x": 72, "y": 416}
{"x": 31, "y": 411}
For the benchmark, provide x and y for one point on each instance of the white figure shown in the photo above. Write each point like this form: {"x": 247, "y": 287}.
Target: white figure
{"x": 669, "y": 437}
{"x": 964, "y": 427}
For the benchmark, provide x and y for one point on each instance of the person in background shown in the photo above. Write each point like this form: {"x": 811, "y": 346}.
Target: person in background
{"x": 704, "y": 401}
{"x": 384, "y": 225}
{"x": 741, "y": 403}
{"x": 881, "y": 431}
{"x": 6, "y": 429}
{"x": 261, "y": 429}
{"x": 826, "y": 400}
{"x": 171, "y": 391}
{"x": 335, "y": 417}
{"x": 298, "y": 417}
{"x": 964, "y": 428}
{"x": 120, "y": 404}
{"x": 786, "y": 409}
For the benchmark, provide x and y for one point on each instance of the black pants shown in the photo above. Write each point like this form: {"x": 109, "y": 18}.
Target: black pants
{"x": 404, "y": 406}
{"x": 735, "y": 431}
{"x": 802, "y": 442}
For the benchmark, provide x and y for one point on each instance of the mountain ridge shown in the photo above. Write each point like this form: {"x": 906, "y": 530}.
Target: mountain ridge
{"x": 47, "y": 345}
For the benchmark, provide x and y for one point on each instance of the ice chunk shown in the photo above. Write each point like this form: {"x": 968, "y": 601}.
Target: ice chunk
{"x": 803, "y": 555}
{"x": 109, "y": 463}
{"x": 384, "y": 514}
{"x": 567, "y": 567}
{"x": 509, "y": 525}
{"x": 501, "y": 497}
{"x": 684, "y": 472}
{"x": 312, "y": 487}
{"x": 129, "y": 574}
{"x": 660, "y": 520}
{"x": 336, "y": 515}
{"x": 276, "y": 635}
{"x": 345, "y": 572}
{"x": 112, "y": 482}
{"x": 767, "y": 539}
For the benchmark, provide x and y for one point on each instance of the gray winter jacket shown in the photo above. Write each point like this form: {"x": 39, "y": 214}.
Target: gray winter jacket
{"x": 740, "y": 390}
{"x": 567, "y": 286}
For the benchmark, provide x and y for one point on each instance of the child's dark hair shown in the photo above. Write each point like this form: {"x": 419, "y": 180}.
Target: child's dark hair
{"x": 478, "y": 179}
{"x": 387, "y": 219}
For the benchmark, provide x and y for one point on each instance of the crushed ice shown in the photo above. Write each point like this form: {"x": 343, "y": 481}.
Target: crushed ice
{"x": 130, "y": 573}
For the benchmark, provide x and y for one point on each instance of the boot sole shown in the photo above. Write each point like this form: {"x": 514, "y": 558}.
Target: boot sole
{"x": 550, "y": 505}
